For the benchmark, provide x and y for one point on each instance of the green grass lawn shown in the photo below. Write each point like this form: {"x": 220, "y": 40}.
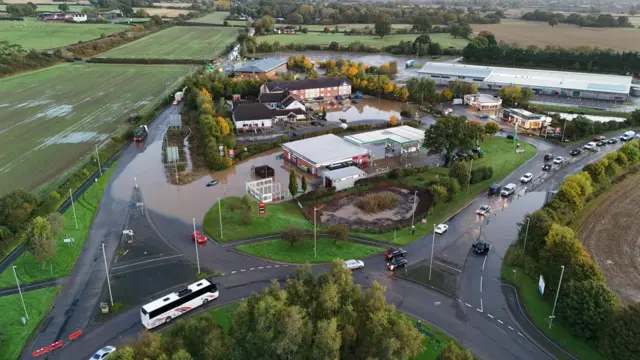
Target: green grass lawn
{"x": 40, "y": 35}
{"x": 86, "y": 207}
{"x": 445, "y": 40}
{"x": 52, "y": 7}
{"x": 343, "y": 27}
{"x": 52, "y": 117}
{"x": 178, "y": 42}
{"x": 14, "y": 334}
{"x": 499, "y": 153}
{"x": 279, "y": 216}
{"x": 327, "y": 250}
{"x": 539, "y": 310}
{"x": 213, "y": 18}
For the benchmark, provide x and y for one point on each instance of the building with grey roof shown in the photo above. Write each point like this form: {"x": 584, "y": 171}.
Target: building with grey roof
{"x": 544, "y": 82}
{"x": 264, "y": 68}
{"x": 313, "y": 154}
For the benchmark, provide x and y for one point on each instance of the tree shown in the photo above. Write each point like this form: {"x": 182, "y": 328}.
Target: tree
{"x": 63, "y": 7}
{"x": 17, "y": 209}
{"x": 338, "y": 232}
{"x": 328, "y": 345}
{"x": 453, "y": 352}
{"x": 303, "y": 184}
{"x": 439, "y": 193}
{"x": 585, "y": 306}
{"x": 553, "y": 22}
{"x": 620, "y": 338}
{"x": 324, "y": 112}
{"x": 293, "y": 183}
{"x": 448, "y": 134}
{"x": 460, "y": 171}
{"x": 140, "y": 13}
{"x": 56, "y": 222}
{"x": 446, "y": 94}
{"x": 393, "y": 120}
{"x": 292, "y": 235}
{"x": 295, "y": 18}
{"x": 491, "y": 128}
{"x": 383, "y": 28}
{"x": 40, "y": 240}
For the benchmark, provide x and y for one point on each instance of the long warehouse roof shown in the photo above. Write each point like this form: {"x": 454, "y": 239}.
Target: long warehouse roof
{"x": 401, "y": 135}
{"x": 533, "y": 78}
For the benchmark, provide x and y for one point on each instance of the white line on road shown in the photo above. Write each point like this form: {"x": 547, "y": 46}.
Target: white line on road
{"x": 285, "y": 265}
{"x": 277, "y": 266}
{"x": 252, "y": 269}
{"x": 450, "y": 267}
{"x": 481, "y": 305}
{"x": 268, "y": 267}
{"x": 146, "y": 261}
{"x": 510, "y": 328}
{"x": 519, "y": 333}
{"x": 489, "y": 315}
{"x": 484, "y": 261}
{"x": 469, "y": 305}
{"x": 243, "y": 270}
{"x": 479, "y": 310}
{"x": 500, "y": 321}
{"x": 480, "y": 284}
{"x": 260, "y": 267}
{"x": 233, "y": 272}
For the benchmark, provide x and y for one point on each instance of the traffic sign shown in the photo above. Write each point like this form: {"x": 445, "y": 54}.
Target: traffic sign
{"x": 262, "y": 208}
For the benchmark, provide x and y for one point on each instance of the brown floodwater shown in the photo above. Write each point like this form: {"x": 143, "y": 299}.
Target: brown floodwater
{"x": 364, "y": 109}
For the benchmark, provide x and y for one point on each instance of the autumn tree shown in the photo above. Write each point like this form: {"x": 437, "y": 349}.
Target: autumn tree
{"x": 446, "y": 94}
{"x": 393, "y": 120}
{"x": 491, "y": 128}
{"x": 293, "y": 183}
{"x": 40, "y": 241}
{"x": 453, "y": 352}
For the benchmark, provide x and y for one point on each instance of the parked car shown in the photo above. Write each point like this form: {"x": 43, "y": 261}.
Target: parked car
{"x": 494, "y": 189}
{"x": 442, "y": 228}
{"x": 476, "y": 150}
{"x": 212, "y": 183}
{"x": 103, "y": 353}
{"x": 559, "y": 160}
{"x": 575, "y": 152}
{"x": 354, "y": 264}
{"x": 589, "y": 146}
{"x": 396, "y": 263}
{"x": 483, "y": 210}
{"x": 483, "y": 116}
{"x": 481, "y": 246}
{"x": 612, "y": 141}
{"x": 508, "y": 189}
{"x": 601, "y": 143}
{"x": 547, "y": 167}
{"x": 393, "y": 253}
{"x": 526, "y": 178}
{"x": 510, "y": 137}
{"x": 548, "y": 157}
{"x": 339, "y": 97}
{"x": 199, "y": 237}
{"x": 599, "y": 138}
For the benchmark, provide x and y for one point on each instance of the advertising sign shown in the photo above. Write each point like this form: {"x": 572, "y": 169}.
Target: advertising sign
{"x": 262, "y": 208}
{"x": 541, "y": 285}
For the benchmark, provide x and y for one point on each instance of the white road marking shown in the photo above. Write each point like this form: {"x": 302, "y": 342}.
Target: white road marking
{"x": 500, "y": 321}
{"x": 481, "y": 283}
{"x": 436, "y": 303}
{"x": 252, "y": 269}
{"x": 277, "y": 266}
{"x": 510, "y": 328}
{"x": 268, "y": 267}
{"x": 481, "y": 305}
{"x": 484, "y": 261}
{"x": 489, "y": 315}
{"x": 285, "y": 265}
{"x": 519, "y": 333}
{"x": 260, "y": 267}
{"x": 469, "y": 305}
{"x": 450, "y": 267}
{"x": 146, "y": 261}
{"x": 479, "y": 310}
{"x": 233, "y": 272}
{"x": 243, "y": 270}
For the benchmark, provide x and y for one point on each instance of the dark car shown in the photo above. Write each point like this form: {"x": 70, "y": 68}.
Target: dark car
{"x": 483, "y": 116}
{"x": 339, "y": 97}
{"x": 612, "y": 141}
{"x": 289, "y": 278}
{"x": 476, "y": 150}
{"x": 601, "y": 143}
{"x": 481, "y": 246}
{"x": 212, "y": 183}
{"x": 461, "y": 155}
{"x": 510, "y": 137}
{"x": 393, "y": 253}
{"x": 575, "y": 152}
{"x": 494, "y": 189}
{"x": 547, "y": 167}
{"x": 548, "y": 157}
{"x": 318, "y": 98}
{"x": 396, "y": 263}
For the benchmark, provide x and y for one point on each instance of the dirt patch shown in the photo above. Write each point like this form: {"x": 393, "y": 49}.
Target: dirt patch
{"x": 611, "y": 233}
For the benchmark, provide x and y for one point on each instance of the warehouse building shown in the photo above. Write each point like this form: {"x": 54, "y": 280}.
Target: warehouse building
{"x": 323, "y": 153}
{"x": 543, "y": 82}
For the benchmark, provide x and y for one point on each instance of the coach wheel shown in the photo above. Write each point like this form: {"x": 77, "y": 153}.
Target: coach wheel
{"x": 205, "y": 301}
{"x": 168, "y": 319}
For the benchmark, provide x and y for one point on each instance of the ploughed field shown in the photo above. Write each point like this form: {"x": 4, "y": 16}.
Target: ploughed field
{"x": 51, "y": 118}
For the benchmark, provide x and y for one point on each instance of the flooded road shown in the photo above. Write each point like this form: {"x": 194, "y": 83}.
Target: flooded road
{"x": 364, "y": 109}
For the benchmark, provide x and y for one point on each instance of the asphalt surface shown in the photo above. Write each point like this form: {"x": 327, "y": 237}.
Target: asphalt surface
{"x": 477, "y": 317}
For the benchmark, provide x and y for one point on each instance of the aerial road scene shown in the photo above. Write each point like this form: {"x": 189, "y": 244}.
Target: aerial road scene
{"x": 416, "y": 180}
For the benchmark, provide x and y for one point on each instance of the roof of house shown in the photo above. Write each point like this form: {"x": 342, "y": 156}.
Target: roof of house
{"x": 260, "y": 66}
{"x": 270, "y": 97}
{"x": 324, "y": 149}
{"x": 401, "y": 135}
{"x": 257, "y": 111}
{"x": 534, "y": 78}
{"x": 278, "y": 86}
{"x": 344, "y": 172}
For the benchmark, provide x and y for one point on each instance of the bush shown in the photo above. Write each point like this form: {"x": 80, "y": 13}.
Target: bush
{"x": 371, "y": 180}
{"x": 317, "y": 193}
{"x": 338, "y": 233}
{"x": 460, "y": 171}
{"x": 480, "y": 174}
{"x": 439, "y": 193}
{"x": 396, "y": 173}
{"x": 585, "y": 306}
{"x": 375, "y": 203}
{"x": 620, "y": 338}
{"x": 293, "y": 235}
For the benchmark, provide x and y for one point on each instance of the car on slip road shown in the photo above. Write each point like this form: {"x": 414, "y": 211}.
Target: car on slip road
{"x": 441, "y": 229}
{"x": 612, "y": 141}
{"x": 199, "y": 237}
{"x": 393, "y": 253}
{"x": 494, "y": 189}
{"x": 103, "y": 353}
{"x": 396, "y": 263}
{"x": 559, "y": 160}
{"x": 526, "y": 178}
{"x": 575, "y": 152}
{"x": 548, "y": 157}
{"x": 481, "y": 246}
{"x": 354, "y": 264}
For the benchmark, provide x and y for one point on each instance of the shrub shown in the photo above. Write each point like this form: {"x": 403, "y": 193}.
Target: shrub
{"x": 293, "y": 235}
{"x": 317, "y": 193}
{"x": 375, "y": 203}
{"x": 371, "y": 180}
{"x": 477, "y": 175}
{"x": 396, "y": 173}
{"x": 460, "y": 171}
{"x": 585, "y": 306}
{"x": 488, "y": 172}
{"x": 338, "y": 232}
{"x": 439, "y": 193}
{"x": 620, "y": 338}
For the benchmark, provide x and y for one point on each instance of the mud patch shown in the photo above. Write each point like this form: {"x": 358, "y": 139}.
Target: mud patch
{"x": 55, "y": 111}
{"x": 75, "y": 138}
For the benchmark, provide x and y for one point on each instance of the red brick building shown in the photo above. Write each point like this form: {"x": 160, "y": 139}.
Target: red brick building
{"x": 309, "y": 89}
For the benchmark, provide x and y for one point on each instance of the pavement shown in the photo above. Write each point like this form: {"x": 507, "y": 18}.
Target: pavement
{"x": 476, "y": 316}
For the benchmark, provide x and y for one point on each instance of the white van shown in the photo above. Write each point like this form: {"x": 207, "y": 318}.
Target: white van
{"x": 589, "y": 146}
{"x": 627, "y": 136}
{"x": 508, "y": 189}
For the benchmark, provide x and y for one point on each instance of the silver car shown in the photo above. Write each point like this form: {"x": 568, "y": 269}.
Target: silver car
{"x": 508, "y": 189}
{"x": 354, "y": 264}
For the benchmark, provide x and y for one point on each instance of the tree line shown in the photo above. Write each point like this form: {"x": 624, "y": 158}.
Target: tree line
{"x": 486, "y": 50}
{"x": 590, "y": 20}
{"x": 586, "y": 306}
{"x": 581, "y": 127}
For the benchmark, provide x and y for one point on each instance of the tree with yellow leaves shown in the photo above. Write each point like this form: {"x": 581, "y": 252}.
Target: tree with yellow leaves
{"x": 404, "y": 94}
{"x": 223, "y": 126}
{"x": 446, "y": 94}
{"x": 389, "y": 87}
{"x": 393, "y": 120}
{"x": 353, "y": 70}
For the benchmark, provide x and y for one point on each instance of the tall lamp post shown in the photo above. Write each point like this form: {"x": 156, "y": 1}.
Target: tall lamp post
{"x": 526, "y": 233}
{"x": 415, "y": 205}
{"x": 20, "y": 291}
{"x": 433, "y": 242}
{"x": 315, "y": 253}
{"x": 556, "y": 300}
{"x": 106, "y": 269}
{"x": 195, "y": 241}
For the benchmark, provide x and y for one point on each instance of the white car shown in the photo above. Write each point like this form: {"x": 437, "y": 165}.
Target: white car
{"x": 353, "y": 264}
{"x": 589, "y": 146}
{"x": 526, "y": 178}
{"x": 508, "y": 189}
{"x": 484, "y": 209}
{"x": 558, "y": 160}
{"x": 442, "y": 228}
{"x": 103, "y": 353}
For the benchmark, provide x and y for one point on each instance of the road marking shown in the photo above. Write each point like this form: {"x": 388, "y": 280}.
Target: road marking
{"x": 233, "y": 272}
{"x": 480, "y": 284}
{"x": 260, "y": 267}
{"x": 243, "y": 270}
{"x": 252, "y": 269}
{"x": 436, "y": 303}
{"x": 519, "y": 333}
{"x": 510, "y": 328}
{"x": 277, "y": 266}
{"x": 484, "y": 261}
{"x": 489, "y": 315}
{"x": 500, "y": 321}
{"x": 469, "y": 305}
{"x": 481, "y": 305}
{"x": 268, "y": 267}
{"x": 285, "y": 265}
{"x": 450, "y": 267}
{"x": 146, "y": 261}
{"x": 479, "y": 310}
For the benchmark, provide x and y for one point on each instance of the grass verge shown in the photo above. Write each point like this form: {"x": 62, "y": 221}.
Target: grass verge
{"x": 15, "y": 335}
{"x": 327, "y": 250}
{"x": 29, "y": 270}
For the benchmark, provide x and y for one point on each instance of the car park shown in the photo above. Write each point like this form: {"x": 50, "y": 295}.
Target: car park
{"x": 612, "y": 141}
{"x": 559, "y": 160}
{"x": 393, "y": 253}
{"x": 396, "y": 263}
{"x": 548, "y": 157}
{"x": 508, "y": 189}
{"x": 199, "y": 237}
{"x": 547, "y": 167}
{"x": 575, "y": 152}
{"x": 483, "y": 210}
{"x": 354, "y": 264}
{"x": 103, "y": 353}
{"x": 481, "y": 246}
{"x": 494, "y": 189}
{"x": 441, "y": 229}
{"x": 526, "y": 178}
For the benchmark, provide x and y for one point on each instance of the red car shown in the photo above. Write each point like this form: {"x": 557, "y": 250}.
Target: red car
{"x": 199, "y": 237}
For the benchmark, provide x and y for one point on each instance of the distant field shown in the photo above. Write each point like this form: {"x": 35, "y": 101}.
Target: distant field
{"x": 172, "y": 4}
{"x": 85, "y": 2}
{"x": 343, "y": 27}
{"x": 445, "y": 40}
{"x": 52, "y": 117}
{"x": 213, "y": 18}
{"x": 53, "y": 7}
{"x": 39, "y": 35}
{"x": 517, "y": 14}
{"x": 541, "y": 34}
{"x": 186, "y": 42}
{"x": 165, "y": 12}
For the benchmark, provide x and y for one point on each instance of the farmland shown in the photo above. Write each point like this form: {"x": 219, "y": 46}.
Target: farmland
{"x": 213, "y": 18}
{"x": 165, "y": 12}
{"x": 541, "y": 34}
{"x": 445, "y": 40}
{"x": 192, "y": 42}
{"x": 343, "y": 27}
{"x": 52, "y": 117}
{"x": 38, "y": 35}
{"x": 54, "y": 7}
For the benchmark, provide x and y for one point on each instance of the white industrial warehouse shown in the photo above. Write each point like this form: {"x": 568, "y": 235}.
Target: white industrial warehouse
{"x": 544, "y": 82}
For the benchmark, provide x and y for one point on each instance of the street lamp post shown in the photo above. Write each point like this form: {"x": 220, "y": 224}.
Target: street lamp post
{"x": 415, "y": 203}
{"x": 556, "y": 300}
{"x": 20, "y": 291}
{"x": 315, "y": 253}
{"x": 98, "y": 157}
{"x": 73, "y": 206}
{"x": 106, "y": 269}
{"x": 433, "y": 242}
{"x": 220, "y": 213}
{"x": 470, "y": 168}
{"x": 526, "y": 233}
{"x": 195, "y": 241}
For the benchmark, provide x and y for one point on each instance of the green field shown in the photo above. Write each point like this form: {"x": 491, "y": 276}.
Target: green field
{"x": 50, "y": 118}
{"x": 39, "y": 35}
{"x": 445, "y": 40}
{"x": 53, "y": 7}
{"x": 14, "y": 334}
{"x": 213, "y": 18}
{"x": 86, "y": 206}
{"x": 178, "y": 42}
{"x": 343, "y": 27}
{"x": 327, "y": 250}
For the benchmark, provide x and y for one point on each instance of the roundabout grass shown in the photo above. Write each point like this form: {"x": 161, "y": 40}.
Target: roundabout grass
{"x": 301, "y": 253}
